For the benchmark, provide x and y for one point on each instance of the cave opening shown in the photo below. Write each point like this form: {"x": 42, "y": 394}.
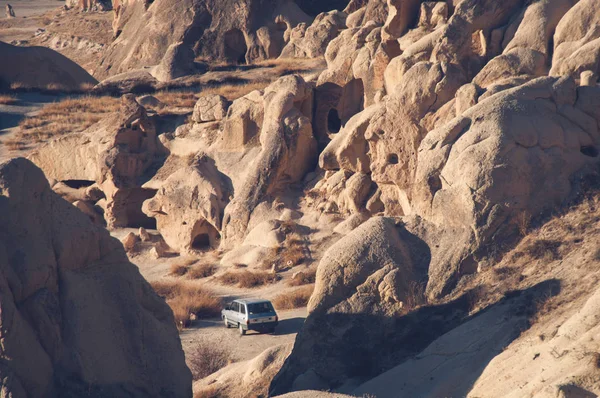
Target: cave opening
{"x": 334, "y": 123}
{"x": 590, "y": 151}
{"x": 235, "y": 46}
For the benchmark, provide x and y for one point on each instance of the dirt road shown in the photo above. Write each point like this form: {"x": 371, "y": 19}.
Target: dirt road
{"x": 244, "y": 347}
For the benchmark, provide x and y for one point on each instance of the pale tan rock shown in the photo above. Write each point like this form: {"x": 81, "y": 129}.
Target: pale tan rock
{"x": 144, "y": 235}
{"x": 588, "y": 78}
{"x": 577, "y": 40}
{"x": 89, "y": 210}
{"x": 113, "y": 154}
{"x": 188, "y": 205}
{"x": 311, "y": 41}
{"x": 352, "y": 276}
{"x": 210, "y": 108}
{"x": 10, "y": 12}
{"x": 218, "y": 30}
{"x": 288, "y": 149}
{"x": 74, "y": 294}
{"x": 129, "y": 241}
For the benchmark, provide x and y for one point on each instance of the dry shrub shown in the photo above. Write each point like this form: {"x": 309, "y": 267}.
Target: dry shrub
{"x": 178, "y": 269}
{"x": 186, "y": 299}
{"x": 295, "y": 299}
{"x": 248, "y": 279}
{"x": 303, "y": 278}
{"x": 7, "y": 100}
{"x": 597, "y": 255}
{"x": 202, "y": 271}
{"x": 291, "y": 255}
{"x": 235, "y": 91}
{"x": 177, "y": 99}
{"x": 69, "y": 116}
{"x": 205, "y": 359}
{"x": 544, "y": 249}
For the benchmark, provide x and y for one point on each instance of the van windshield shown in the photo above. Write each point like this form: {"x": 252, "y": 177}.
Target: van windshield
{"x": 260, "y": 308}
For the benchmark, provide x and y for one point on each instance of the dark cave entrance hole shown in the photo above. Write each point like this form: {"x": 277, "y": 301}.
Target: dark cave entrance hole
{"x": 235, "y": 46}
{"x": 334, "y": 123}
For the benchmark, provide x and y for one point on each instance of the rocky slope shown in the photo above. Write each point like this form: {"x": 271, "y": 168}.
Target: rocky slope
{"x": 410, "y": 169}
{"x": 77, "y": 318}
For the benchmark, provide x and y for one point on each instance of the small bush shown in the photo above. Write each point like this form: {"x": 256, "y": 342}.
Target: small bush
{"x": 248, "y": 279}
{"x": 186, "y": 299}
{"x": 303, "y": 278}
{"x": 178, "y": 269}
{"x": 205, "y": 359}
{"x": 295, "y": 299}
{"x": 544, "y": 249}
{"x": 202, "y": 271}
{"x": 597, "y": 255}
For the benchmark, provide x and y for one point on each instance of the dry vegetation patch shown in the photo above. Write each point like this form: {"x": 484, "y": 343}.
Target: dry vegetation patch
{"x": 234, "y": 91}
{"x": 297, "y": 298}
{"x": 7, "y": 99}
{"x": 205, "y": 359}
{"x": 187, "y": 300}
{"x": 303, "y": 278}
{"x": 248, "y": 279}
{"x": 177, "y": 99}
{"x": 200, "y": 271}
{"x": 68, "y": 116}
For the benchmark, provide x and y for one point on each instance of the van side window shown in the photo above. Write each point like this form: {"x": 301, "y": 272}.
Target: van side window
{"x": 235, "y": 307}
{"x": 242, "y": 308}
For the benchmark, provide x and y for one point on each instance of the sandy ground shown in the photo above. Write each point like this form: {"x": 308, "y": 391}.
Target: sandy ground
{"x": 245, "y": 347}
{"x": 29, "y": 8}
{"x": 11, "y": 115}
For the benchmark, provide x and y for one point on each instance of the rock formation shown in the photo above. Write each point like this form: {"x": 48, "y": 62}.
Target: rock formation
{"x": 116, "y": 155}
{"x": 41, "y": 68}
{"x": 218, "y": 30}
{"x": 77, "y": 317}
{"x": 10, "y": 12}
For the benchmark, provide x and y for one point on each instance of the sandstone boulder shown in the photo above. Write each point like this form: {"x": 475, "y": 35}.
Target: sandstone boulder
{"x": 77, "y": 317}
{"x": 210, "y": 108}
{"x": 10, "y": 12}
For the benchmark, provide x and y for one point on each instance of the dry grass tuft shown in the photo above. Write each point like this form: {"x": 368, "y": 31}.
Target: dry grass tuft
{"x": 544, "y": 249}
{"x": 69, "y": 116}
{"x": 292, "y": 253}
{"x": 248, "y": 279}
{"x": 303, "y": 278}
{"x": 177, "y": 99}
{"x": 7, "y": 99}
{"x": 187, "y": 300}
{"x": 234, "y": 91}
{"x": 202, "y": 271}
{"x": 205, "y": 359}
{"x": 181, "y": 267}
{"x": 295, "y": 299}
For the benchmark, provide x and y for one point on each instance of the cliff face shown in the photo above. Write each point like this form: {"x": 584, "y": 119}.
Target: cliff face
{"x": 77, "y": 318}
{"x": 215, "y": 30}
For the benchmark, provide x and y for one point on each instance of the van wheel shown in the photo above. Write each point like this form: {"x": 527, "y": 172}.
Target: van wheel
{"x": 227, "y": 325}
{"x": 242, "y": 331}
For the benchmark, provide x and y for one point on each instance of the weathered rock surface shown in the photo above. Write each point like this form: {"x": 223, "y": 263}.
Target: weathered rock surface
{"x": 40, "y": 68}
{"x": 77, "y": 317}
{"x": 223, "y": 30}
{"x": 118, "y": 154}
{"x": 188, "y": 207}
{"x": 288, "y": 150}
{"x": 311, "y": 41}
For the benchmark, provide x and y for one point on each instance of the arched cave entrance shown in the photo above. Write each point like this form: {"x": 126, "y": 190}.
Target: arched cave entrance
{"x": 204, "y": 236}
{"x": 235, "y": 46}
